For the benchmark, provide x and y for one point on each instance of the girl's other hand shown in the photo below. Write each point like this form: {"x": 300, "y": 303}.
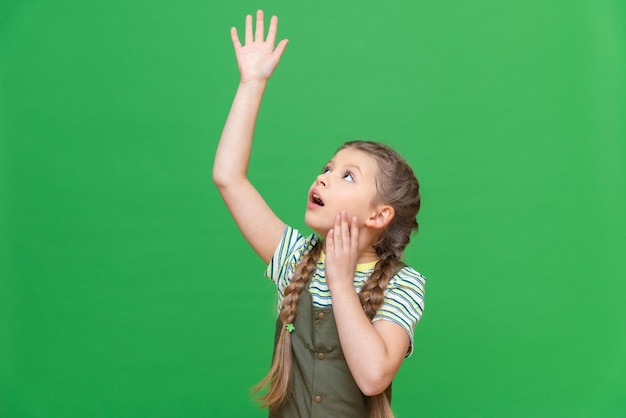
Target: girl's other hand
{"x": 258, "y": 58}
{"x": 342, "y": 245}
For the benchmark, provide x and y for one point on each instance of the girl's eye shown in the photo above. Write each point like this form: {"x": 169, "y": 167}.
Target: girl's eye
{"x": 325, "y": 170}
{"x": 348, "y": 176}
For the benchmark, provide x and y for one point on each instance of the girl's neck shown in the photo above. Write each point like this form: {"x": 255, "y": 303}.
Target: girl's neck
{"x": 366, "y": 255}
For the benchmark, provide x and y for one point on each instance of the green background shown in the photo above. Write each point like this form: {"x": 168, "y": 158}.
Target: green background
{"x": 127, "y": 291}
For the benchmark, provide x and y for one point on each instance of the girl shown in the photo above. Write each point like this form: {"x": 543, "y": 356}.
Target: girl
{"x": 347, "y": 304}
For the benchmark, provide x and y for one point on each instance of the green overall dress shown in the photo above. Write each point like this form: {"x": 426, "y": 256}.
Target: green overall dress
{"x": 322, "y": 385}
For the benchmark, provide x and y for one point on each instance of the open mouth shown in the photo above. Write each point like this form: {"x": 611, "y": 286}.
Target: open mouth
{"x": 315, "y": 198}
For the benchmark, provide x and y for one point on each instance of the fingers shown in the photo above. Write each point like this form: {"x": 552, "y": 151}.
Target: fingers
{"x": 271, "y": 32}
{"x": 337, "y": 233}
{"x": 345, "y": 231}
{"x": 235, "y": 38}
{"x": 344, "y": 236}
{"x": 334, "y": 239}
{"x": 280, "y": 48}
{"x": 258, "y": 36}
{"x": 330, "y": 245}
{"x": 249, "y": 38}
{"x": 354, "y": 235}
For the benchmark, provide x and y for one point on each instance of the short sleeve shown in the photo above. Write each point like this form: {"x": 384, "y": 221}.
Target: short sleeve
{"x": 404, "y": 302}
{"x": 289, "y": 252}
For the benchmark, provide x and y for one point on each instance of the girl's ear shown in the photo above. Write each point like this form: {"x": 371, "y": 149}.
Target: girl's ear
{"x": 381, "y": 218}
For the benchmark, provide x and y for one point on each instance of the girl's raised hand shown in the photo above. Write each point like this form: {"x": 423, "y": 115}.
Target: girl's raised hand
{"x": 258, "y": 58}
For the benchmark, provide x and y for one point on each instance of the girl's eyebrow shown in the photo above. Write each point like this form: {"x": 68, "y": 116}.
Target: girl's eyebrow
{"x": 351, "y": 166}
{"x": 354, "y": 167}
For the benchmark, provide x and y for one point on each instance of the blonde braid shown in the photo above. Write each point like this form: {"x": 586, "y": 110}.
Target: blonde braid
{"x": 372, "y": 293}
{"x": 279, "y": 376}
{"x": 397, "y": 186}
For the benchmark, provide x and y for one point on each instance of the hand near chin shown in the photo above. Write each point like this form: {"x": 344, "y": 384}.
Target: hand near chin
{"x": 342, "y": 243}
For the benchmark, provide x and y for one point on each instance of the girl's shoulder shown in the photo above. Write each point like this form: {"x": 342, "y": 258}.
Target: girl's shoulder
{"x": 293, "y": 241}
{"x": 291, "y": 249}
{"x": 407, "y": 276}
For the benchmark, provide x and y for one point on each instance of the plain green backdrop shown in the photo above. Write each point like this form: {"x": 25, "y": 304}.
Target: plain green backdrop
{"x": 127, "y": 291}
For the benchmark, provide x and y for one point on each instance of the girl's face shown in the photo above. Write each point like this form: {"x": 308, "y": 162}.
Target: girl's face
{"x": 348, "y": 182}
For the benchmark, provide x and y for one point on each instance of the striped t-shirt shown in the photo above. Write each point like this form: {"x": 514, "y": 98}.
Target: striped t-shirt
{"x": 404, "y": 295}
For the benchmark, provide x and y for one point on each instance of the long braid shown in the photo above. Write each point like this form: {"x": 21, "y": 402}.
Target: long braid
{"x": 397, "y": 186}
{"x": 279, "y": 376}
{"x": 372, "y": 297}
{"x": 372, "y": 293}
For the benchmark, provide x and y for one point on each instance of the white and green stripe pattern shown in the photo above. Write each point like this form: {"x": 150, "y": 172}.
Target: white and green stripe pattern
{"x": 404, "y": 295}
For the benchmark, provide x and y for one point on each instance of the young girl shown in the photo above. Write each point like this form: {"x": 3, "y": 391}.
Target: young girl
{"x": 347, "y": 304}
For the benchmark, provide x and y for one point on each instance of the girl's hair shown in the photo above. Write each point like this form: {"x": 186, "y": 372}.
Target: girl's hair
{"x": 396, "y": 186}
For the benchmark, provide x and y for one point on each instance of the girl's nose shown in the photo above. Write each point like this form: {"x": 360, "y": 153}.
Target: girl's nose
{"x": 321, "y": 180}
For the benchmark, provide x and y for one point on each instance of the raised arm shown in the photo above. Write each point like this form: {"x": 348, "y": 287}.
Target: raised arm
{"x": 257, "y": 60}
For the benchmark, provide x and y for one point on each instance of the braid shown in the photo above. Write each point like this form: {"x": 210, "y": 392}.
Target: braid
{"x": 397, "y": 186}
{"x": 279, "y": 376}
{"x": 372, "y": 292}
{"x": 304, "y": 270}
{"x": 372, "y": 295}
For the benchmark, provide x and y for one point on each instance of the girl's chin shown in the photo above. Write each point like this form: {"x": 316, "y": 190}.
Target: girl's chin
{"x": 322, "y": 231}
